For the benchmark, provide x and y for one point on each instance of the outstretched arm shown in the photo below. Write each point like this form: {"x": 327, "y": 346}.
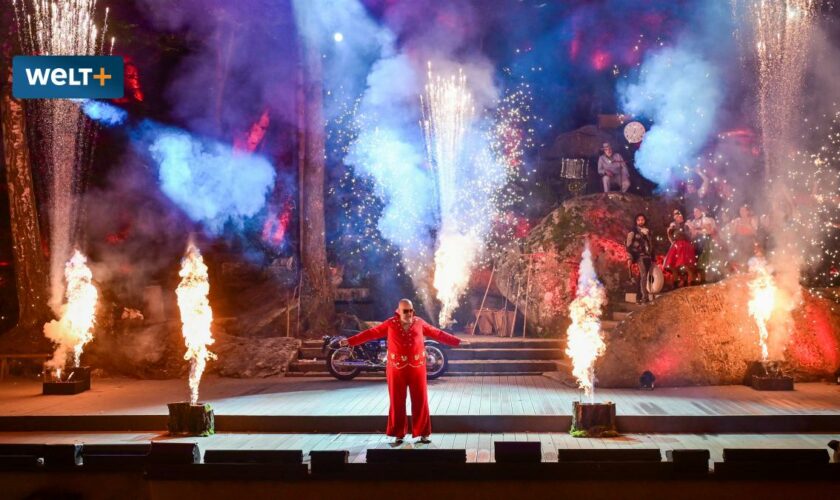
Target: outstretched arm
{"x": 440, "y": 335}
{"x": 377, "y": 332}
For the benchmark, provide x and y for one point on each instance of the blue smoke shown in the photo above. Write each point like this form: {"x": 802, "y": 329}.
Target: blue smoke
{"x": 389, "y": 146}
{"x": 210, "y": 181}
{"x": 346, "y": 61}
{"x": 680, "y": 92}
{"x": 103, "y": 113}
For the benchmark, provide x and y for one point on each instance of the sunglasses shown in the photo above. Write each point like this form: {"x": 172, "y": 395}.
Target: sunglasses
{"x": 408, "y": 311}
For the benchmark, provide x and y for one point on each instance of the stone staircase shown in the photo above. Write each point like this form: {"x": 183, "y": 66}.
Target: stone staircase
{"x": 485, "y": 355}
{"x": 620, "y": 308}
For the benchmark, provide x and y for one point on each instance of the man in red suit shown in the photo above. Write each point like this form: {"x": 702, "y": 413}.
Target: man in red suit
{"x": 406, "y": 368}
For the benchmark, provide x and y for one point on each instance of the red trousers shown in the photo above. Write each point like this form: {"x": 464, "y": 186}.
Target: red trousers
{"x": 412, "y": 380}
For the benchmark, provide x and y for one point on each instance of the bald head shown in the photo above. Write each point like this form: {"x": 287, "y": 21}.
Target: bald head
{"x": 405, "y": 310}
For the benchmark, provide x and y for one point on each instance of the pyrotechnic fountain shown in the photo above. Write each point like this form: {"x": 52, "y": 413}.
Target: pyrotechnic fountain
{"x": 196, "y": 318}
{"x": 779, "y": 41}
{"x": 62, "y": 28}
{"x": 74, "y": 329}
{"x": 584, "y": 345}
{"x": 781, "y": 33}
{"x": 467, "y": 179}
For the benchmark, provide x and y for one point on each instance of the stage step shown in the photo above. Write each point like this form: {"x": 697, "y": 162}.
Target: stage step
{"x": 478, "y": 355}
{"x": 485, "y": 350}
{"x": 309, "y": 353}
{"x": 317, "y": 367}
{"x": 381, "y": 375}
{"x": 480, "y": 342}
{"x": 495, "y": 354}
{"x": 630, "y": 299}
{"x": 608, "y": 324}
{"x": 502, "y": 365}
{"x": 620, "y": 315}
{"x": 626, "y": 306}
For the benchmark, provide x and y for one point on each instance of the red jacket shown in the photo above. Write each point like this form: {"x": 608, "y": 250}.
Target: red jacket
{"x": 405, "y": 347}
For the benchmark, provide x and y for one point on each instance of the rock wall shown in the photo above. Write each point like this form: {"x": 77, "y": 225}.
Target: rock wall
{"x": 243, "y": 357}
{"x": 157, "y": 351}
{"x": 705, "y": 336}
{"x": 555, "y": 246}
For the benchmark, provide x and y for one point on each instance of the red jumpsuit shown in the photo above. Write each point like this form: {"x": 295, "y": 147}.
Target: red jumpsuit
{"x": 406, "y": 370}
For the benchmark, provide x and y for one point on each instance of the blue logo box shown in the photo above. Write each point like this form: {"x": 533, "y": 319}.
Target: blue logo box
{"x": 67, "y": 77}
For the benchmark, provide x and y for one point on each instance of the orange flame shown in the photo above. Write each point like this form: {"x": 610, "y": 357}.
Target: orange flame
{"x": 196, "y": 315}
{"x": 585, "y": 341}
{"x": 762, "y": 300}
{"x": 78, "y": 314}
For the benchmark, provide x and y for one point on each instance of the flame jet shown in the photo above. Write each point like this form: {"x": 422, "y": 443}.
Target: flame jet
{"x": 196, "y": 315}
{"x": 585, "y": 342}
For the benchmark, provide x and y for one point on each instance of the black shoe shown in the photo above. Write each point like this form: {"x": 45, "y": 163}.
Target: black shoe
{"x": 397, "y": 442}
{"x": 425, "y": 439}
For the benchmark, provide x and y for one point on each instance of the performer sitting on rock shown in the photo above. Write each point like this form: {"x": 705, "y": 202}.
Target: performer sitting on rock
{"x": 639, "y": 246}
{"x": 406, "y": 368}
{"x": 680, "y": 259}
{"x": 613, "y": 169}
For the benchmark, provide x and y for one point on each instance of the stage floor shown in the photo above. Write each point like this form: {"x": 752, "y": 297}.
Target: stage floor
{"x": 486, "y": 404}
{"x": 462, "y": 396}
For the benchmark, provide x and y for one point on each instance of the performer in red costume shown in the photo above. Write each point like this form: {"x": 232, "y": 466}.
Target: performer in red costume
{"x": 406, "y": 369}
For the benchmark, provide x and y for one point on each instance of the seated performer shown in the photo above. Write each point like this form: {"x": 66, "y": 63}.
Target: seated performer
{"x": 613, "y": 170}
{"x": 406, "y": 368}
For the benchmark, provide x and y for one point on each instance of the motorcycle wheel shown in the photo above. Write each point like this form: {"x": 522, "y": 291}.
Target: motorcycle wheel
{"x": 337, "y": 356}
{"x": 436, "y": 362}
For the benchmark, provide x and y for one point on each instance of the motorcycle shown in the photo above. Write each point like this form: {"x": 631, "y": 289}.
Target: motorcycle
{"x": 346, "y": 363}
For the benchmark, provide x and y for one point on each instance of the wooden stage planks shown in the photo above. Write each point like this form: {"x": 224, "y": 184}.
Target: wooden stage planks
{"x": 458, "y": 404}
{"x": 491, "y": 395}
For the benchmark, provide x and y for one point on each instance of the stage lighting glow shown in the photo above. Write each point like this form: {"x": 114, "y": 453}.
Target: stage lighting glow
{"x": 338, "y": 37}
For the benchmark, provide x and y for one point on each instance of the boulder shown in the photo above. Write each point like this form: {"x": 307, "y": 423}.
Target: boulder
{"x": 704, "y": 335}
{"x": 248, "y": 357}
{"x": 554, "y": 248}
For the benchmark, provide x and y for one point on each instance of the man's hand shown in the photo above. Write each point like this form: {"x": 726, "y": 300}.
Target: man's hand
{"x": 343, "y": 342}
{"x": 645, "y": 231}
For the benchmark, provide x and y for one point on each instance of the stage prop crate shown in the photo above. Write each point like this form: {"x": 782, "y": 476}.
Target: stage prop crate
{"x": 593, "y": 419}
{"x": 191, "y": 419}
{"x": 76, "y": 380}
{"x": 767, "y": 376}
